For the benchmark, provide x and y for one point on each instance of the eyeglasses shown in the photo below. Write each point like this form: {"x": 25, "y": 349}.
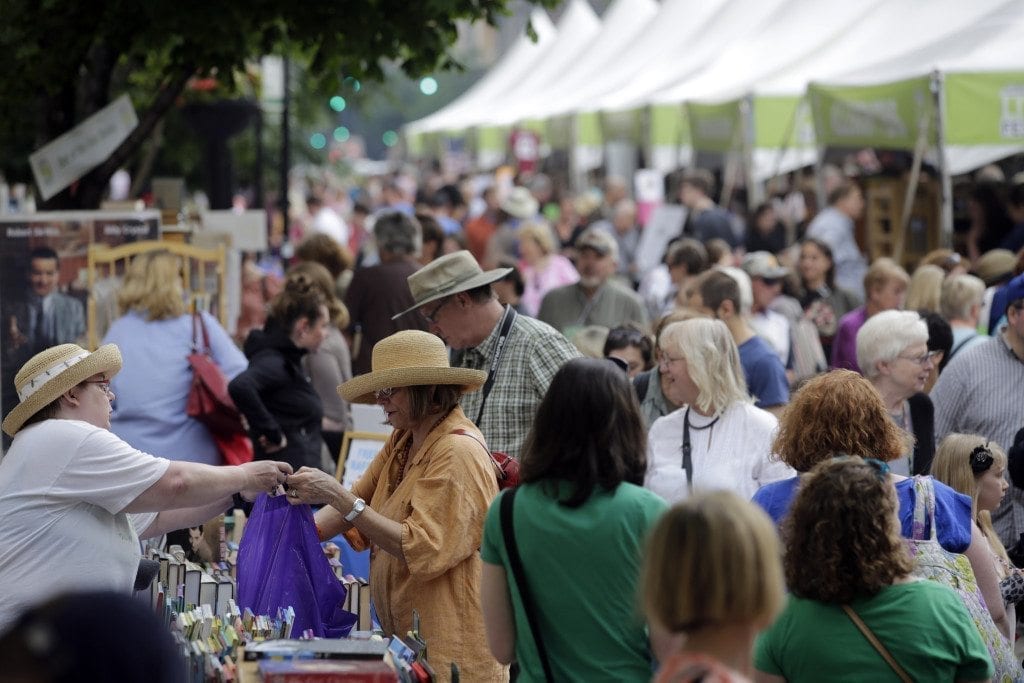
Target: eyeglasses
{"x": 103, "y": 384}
{"x": 923, "y": 359}
{"x": 665, "y": 359}
{"x": 383, "y": 394}
{"x": 770, "y": 281}
{"x": 432, "y": 316}
{"x": 981, "y": 459}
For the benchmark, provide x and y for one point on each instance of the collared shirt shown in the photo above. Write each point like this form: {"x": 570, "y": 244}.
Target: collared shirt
{"x": 568, "y": 309}
{"x": 532, "y": 354}
{"x": 981, "y": 392}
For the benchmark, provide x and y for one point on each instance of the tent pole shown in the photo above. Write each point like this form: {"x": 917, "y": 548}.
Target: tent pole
{"x": 946, "y": 186}
{"x": 755, "y": 191}
{"x": 574, "y": 152}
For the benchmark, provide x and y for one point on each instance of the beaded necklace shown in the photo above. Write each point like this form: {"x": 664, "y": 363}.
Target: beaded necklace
{"x": 403, "y": 457}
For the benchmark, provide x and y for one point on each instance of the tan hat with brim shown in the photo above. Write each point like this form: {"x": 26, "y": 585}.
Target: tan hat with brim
{"x": 50, "y": 373}
{"x": 407, "y": 359}
{"x": 450, "y": 274}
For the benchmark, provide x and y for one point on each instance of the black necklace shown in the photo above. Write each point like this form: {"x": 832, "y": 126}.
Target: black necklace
{"x": 687, "y": 449}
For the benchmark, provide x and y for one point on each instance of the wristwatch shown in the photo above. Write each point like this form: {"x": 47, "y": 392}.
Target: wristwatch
{"x": 357, "y": 509}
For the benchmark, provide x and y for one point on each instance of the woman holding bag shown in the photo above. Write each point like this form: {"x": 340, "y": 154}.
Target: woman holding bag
{"x": 420, "y": 505}
{"x": 155, "y": 335}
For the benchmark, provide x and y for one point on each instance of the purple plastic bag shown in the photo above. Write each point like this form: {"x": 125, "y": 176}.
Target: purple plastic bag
{"x": 281, "y": 564}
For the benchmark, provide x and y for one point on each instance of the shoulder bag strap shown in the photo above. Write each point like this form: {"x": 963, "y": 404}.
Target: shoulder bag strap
{"x": 877, "y": 644}
{"x": 494, "y": 461}
{"x": 953, "y": 351}
{"x": 519, "y": 576}
{"x": 205, "y": 348}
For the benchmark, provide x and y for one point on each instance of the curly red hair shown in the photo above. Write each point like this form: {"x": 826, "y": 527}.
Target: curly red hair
{"x": 837, "y": 412}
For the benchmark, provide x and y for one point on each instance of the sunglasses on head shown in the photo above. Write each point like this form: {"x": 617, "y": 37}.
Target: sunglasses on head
{"x": 981, "y": 459}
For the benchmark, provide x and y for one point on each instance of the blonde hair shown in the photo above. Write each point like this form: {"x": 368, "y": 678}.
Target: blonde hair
{"x": 540, "y": 233}
{"x": 152, "y": 286}
{"x": 924, "y": 289}
{"x": 712, "y": 360}
{"x": 711, "y": 560}
{"x": 952, "y": 466}
{"x": 882, "y": 271}
{"x": 958, "y": 294}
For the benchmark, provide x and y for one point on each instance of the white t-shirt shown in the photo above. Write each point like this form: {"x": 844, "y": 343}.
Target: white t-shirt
{"x": 63, "y": 486}
{"x": 733, "y": 454}
{"x": 773, "y": 328}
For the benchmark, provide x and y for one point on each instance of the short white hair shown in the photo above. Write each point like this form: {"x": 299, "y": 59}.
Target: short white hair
{"x": 746, "y": 287}
{"x": 959, "y": 293}
{"x": 885, "y": 336}
{"x": 712, "y": 361}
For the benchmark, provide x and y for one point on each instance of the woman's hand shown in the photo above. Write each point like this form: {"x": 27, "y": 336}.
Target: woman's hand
{"x": 316, "y": 487}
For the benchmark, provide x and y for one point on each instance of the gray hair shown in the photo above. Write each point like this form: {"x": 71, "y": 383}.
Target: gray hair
{"x": 959, "y": 293}
{"x": 885, "y": 336}
{"x": 398, "y": 233}
{"x": 712, "y": 360}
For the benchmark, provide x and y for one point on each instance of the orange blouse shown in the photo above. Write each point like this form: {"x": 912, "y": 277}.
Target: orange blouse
{"x": 441, "y": 504}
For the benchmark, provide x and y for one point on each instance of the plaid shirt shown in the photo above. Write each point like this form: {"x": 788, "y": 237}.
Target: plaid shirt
{"x": 533, "y": 353}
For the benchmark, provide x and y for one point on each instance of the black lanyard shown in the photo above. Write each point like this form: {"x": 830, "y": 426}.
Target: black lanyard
{"x": 687, "y": 449}
{"x": 506, "y": 327}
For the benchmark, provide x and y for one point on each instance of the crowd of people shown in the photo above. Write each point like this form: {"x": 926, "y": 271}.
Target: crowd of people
{"x": 768, "y": 458}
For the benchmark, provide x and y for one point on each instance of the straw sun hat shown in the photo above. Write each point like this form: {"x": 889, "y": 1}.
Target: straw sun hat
{"x": 408, "y": 359}
{"x": 50, "y": 373}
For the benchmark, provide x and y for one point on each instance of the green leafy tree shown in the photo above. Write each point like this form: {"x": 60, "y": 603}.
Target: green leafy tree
{"x": 63, "y": 60}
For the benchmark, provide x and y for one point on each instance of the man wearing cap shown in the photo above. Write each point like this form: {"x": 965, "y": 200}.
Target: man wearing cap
{"x": 75, "y": 498}
{"x": 520, "y": 354}
{"x": 595, "y": 299}
{"x": 981, "y": 391}
{"x": 769, "y": 322}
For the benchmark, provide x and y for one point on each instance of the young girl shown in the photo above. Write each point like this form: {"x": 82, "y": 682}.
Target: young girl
{"x": 976, "y": 467}
{"x": 712, "y": 581}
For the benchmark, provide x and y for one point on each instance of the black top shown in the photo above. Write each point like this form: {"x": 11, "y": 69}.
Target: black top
{"x": 276, "y": 397}
{"x": 922, "y": 416}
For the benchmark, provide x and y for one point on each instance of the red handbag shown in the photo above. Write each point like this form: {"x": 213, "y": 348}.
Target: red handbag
{"x": 507, "y": 467}
{"x": 209, "y": 401}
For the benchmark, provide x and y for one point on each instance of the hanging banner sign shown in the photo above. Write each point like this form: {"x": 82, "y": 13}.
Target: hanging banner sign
{"x": 83, "y": 148}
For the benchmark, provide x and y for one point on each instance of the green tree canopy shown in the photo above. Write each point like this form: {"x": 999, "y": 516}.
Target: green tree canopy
{"x": 63, "y": 60}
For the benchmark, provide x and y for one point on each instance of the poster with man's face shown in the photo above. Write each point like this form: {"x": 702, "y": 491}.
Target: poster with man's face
{"x": 44, "y": 288}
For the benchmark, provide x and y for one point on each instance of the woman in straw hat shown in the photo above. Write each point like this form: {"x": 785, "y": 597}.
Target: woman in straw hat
{"x": 68, "y": 484}
{"x": 420, "y": 506}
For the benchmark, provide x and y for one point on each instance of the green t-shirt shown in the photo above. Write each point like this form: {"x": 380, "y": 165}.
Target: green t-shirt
{"x": 924, "y": 625}
{"x": 582, "y": 565}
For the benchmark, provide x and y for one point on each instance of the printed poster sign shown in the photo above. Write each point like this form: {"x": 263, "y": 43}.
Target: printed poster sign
{"x": 43, "y": 280}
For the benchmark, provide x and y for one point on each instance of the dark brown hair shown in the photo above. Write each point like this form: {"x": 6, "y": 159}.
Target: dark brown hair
{"x": 588, "y": 431}
{"x": 436, "y": 398}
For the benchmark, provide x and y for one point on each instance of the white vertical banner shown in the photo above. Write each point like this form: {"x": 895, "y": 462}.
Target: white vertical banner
{"x": 69, "y": 157}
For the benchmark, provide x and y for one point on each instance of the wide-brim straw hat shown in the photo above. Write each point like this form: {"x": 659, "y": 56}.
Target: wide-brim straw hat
{"x": 50, "y": 373}
{"x": 447, "y": 275}
{"x": 408, "y": 359}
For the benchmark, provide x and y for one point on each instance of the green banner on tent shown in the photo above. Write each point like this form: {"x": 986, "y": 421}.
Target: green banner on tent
{"x": 669, "y": 126}
{"x": 782, "y": 122}
{"x": 985, "y": 108}
{"x": 491, "y": 138}
{"x": 886, "y": 115}
{"x": 716, "y": 127}
{"x": 588, "y": 129}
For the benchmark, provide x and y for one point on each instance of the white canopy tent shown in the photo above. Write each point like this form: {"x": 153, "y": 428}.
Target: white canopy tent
{"x": 510, "y": 70}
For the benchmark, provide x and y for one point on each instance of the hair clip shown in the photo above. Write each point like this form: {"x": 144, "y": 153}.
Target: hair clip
{"x": 981, "y": 459}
